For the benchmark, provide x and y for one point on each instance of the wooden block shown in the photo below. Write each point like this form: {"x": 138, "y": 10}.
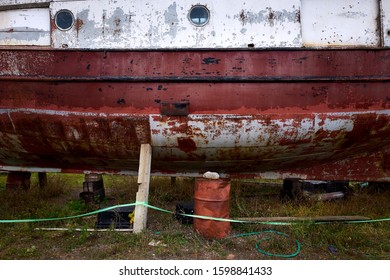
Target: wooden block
{"x": 141, "y": 212}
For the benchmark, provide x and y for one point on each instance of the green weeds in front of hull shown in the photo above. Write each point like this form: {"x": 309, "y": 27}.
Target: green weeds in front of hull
{"x": 166, "y": 238}
{"x": 55, "y": 200}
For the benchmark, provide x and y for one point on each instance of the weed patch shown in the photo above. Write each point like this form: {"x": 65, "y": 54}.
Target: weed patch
{"x": 166, "y": 238}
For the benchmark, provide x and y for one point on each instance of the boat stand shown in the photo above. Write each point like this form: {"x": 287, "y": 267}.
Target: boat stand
{"x": 17, "y": 180}
{"x": 141, "y": 211}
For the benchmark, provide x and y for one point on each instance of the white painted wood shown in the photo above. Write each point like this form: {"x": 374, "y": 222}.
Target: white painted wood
{"x": 142, "y": 24}
{"x": 25, "y": 27}
{"x": 141, "y": 212}
{"x": 4, "y": 3}
{"x": 340, "y": 23}
{"x": 386, "y": 22}
{"x": 165, "y": 24}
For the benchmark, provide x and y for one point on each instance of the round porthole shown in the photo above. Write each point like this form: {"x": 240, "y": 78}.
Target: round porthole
{"x": 199, "y": 15}
{"x": 64, "y": 20}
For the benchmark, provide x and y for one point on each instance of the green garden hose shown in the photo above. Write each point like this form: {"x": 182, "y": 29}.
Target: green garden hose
{"x": 298, "y": 245}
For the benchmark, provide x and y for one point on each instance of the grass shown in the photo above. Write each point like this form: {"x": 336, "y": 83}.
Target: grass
{"x": 177, "y": 241}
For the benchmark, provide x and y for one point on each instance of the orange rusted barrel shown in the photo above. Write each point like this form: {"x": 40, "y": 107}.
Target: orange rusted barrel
{"x": 211, "y": 199}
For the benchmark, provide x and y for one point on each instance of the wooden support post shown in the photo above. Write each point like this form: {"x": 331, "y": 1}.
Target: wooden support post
{"x": 42, "y": 179}
{"x": 173, "y": 182}
{"x": 141, "y": 212}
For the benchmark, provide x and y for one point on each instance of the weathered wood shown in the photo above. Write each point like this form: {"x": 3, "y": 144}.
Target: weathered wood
{"x": 141, "y": 212}
{"x": 25, "y": 27}
{"x": 42, "y": 176}
{"x": 173, "y": 182}
{"x": 314, "y": 219}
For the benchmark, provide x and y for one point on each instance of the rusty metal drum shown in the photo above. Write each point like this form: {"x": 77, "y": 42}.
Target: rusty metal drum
{"x": 211, "y": 199}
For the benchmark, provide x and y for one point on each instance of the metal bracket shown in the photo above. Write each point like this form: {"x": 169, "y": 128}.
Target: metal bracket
{"x": 174, "y": 108}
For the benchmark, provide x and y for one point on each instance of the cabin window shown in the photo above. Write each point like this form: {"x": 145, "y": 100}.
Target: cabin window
{"x": 199, "y": 15}
{"x": 64, "y": 20}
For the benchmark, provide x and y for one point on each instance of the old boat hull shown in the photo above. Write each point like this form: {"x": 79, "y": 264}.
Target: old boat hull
{"x": 308, "y": 113}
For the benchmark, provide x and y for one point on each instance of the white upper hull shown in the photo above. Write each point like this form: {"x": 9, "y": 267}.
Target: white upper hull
{"x": 140, "y": 24}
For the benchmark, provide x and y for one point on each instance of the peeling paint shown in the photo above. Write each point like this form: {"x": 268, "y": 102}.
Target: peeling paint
{"x": 268, "y": 17}
{"x": 335, "y": 23}
{"x": 25, "y": 27}
{"x": 335, "y": 124}
{"x": 23, "y": 38}
{"x": 285, "y": 142}
{"x": 172, "y": 20}
{"x": 124, "y": 24}
{"x": 353, "y": 15}
{"x": 260, "y": 112}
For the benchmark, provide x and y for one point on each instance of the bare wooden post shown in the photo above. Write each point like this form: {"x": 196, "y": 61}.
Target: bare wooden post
{"x": 141, "y": 212}
{"x": 42, "y": 179}
{"x": 173, "y": 182}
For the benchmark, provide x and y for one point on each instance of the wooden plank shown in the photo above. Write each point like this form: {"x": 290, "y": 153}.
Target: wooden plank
{"x": 42, "y": 177}
{"x": 141, "y": 212}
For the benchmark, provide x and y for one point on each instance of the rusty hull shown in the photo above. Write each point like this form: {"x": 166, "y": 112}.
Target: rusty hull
{"x": 314, "y": 114}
